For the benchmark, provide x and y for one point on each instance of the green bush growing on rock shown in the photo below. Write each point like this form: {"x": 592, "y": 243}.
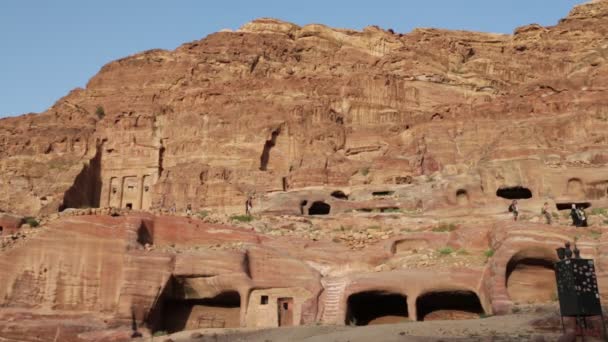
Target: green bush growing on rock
{"x": 445, "y": 251}
{"x": 100, "y": 112}
{"x": 444, "y": 227}
{"x": 599, "y": 211}
{"x": 489, "y": 253}
{"x": 241, "y": 218}
{"x": 32, "y": 222}
{"x": 596, "y": 234}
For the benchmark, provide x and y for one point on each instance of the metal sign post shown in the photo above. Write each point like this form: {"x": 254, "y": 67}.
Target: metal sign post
{"x": 577, "y": 289}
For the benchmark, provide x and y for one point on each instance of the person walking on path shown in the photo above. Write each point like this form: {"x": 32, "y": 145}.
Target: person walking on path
{"x": 248, "y": 205}
{"x": 574, "y": 215}
{"x": 580, "y": 212}
{"x": 513, "y": 209}
{"x": 546, "y": 213}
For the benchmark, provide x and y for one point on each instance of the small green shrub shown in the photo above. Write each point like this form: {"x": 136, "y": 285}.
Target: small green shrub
{"x": 364, "y": 171}
{"x": 555, "y": 215}
{"x": 489, "y": 253}
{"x": 444, "y": 227}
{"x": 599, "y": 211}
{"x": 160, "y": 333}
{"x": 32, "y": 222}
{"x": 485, "y": 315}
{"x": 241, "y": 218}
{"x": 100, "y": 112}
{"x": 202, "y": 214}
{"x": 445, "y": 251}
{"x": 596, "y": 234}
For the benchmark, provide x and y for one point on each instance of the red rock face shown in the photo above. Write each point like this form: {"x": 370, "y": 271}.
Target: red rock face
{"x": 275, "y": 106}
{"x": 374, "y": 162}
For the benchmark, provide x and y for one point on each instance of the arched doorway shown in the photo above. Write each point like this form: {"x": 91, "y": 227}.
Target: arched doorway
{"x": 514, "y": 192}
{"x": 462, "y": 197}
{"x": 444, "y": 305}
{"x": 319, "y": 208}
{"x": 530, "y": 276}
{"x": 376, "y": 307}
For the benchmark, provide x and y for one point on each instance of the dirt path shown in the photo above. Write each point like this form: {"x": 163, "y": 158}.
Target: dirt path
{"x": 498, "y": 328}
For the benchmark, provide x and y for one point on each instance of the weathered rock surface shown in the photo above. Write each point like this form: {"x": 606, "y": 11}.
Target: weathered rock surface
{"x": 275, "y": 106}
{"x": 379, "y": 166}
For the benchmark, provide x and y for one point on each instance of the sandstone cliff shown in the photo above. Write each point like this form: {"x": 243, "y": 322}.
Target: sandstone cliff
{"x": 274, "y": 106}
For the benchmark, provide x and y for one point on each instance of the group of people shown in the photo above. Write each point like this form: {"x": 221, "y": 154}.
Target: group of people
{"x": 579, "y": 218}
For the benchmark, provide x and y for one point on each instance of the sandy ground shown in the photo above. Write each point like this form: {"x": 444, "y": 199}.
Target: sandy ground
{"x": 497, "y": 328}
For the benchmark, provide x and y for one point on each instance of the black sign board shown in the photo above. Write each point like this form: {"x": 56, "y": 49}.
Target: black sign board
{"x": 577, "y": 288}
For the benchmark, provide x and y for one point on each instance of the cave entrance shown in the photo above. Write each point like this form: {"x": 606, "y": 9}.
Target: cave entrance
{"x": 129, "y": 206}
{"x": 530, "y": 276}
{"x": 376, "y": 307}
{"x": 221, "y": 311}
{"x": 339, "y": 195}
{"x": 448, "y": 305}
{"x": 515, "y": 192}
{"x": 1, "y": 230}
{"x": 319, "y": 208}
{"x": 462, "y": 197}
{"x": 568, "y": 205}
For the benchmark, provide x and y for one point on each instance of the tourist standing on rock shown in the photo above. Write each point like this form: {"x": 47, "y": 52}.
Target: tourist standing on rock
{"x": 546, "y": 213}
{"x": 582, "y": 217}
{"x": 188, "y": 210}
{"x": 575, "y": 218}
{"x": 248, "y": 205}
{"x": 513, "y": 209}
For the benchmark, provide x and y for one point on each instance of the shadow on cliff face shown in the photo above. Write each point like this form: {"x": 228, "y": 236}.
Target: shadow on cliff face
{"x": 86, "y": 190}
{"x": 268, "y": 145}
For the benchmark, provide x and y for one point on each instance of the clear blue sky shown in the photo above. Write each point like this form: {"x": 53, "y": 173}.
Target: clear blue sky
{"x": 50, "y": 47}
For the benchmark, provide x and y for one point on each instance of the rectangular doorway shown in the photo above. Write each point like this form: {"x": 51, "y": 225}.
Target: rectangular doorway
{"x": 285, "y": 311}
